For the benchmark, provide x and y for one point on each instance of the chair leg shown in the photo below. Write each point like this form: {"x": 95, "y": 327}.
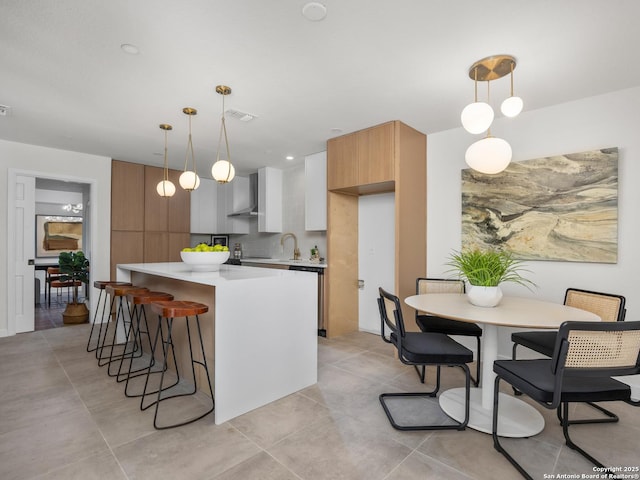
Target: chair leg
{"x": 457, "y": 426}
{"x": 476, "y": 381}
{"x": 573, "y": 446}
{"x": 609, "y": 418}
{"x": 494, "y": 432}
{"x": 420, "y": 372}
{"x": 513, "y": 357}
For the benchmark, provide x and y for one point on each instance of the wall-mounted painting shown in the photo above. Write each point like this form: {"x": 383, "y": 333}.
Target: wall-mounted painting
{"x": 55, "y": 234}
{"x": 563, "y": 208}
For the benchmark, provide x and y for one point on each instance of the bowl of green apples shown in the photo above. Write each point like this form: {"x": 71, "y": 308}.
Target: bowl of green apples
{"x": 205, "y": 258}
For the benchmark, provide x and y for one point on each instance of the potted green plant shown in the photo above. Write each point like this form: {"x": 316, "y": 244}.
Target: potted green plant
{"x": 485, "y": 271}
{"x": 74, "y": 268}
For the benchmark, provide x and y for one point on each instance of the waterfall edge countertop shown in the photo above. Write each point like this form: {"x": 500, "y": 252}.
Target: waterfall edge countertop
{"x": 260, "y": 332}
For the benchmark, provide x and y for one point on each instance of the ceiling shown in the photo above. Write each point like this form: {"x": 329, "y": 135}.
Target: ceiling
{"x": 70, "y": 85}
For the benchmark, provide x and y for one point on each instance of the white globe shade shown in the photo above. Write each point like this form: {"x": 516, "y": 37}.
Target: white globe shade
{"x": 477, "y": 117}
{"x": 489, "y": 155}
{"x": 166, "y": 188}
{"x": 222, "y": 171}
{"x": 511, "y": 107}
{"x": 189, "y": 180}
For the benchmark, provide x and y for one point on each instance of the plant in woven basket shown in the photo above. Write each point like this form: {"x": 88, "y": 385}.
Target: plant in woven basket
{"x": 74, "y": 267}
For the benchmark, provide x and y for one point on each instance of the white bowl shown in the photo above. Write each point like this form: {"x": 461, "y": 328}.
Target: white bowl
{"x": 204, "y": 261}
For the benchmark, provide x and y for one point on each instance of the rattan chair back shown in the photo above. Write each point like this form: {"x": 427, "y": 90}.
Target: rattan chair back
{"x": 439, "y": 285}
{"x": 609, "y": 307}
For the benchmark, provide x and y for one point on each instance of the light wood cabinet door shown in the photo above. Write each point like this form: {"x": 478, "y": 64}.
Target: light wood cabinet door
{"x": 342, "y": 162}
{"x": 127, "y": 196}
{"x": 156, "y": 247}
{"x": 155, "y": 206}
{"x": 375, "y": 154}
{"x": 179, "y": 208}
{"x": 126, "y": 247}
{"x": 177, "y": 241}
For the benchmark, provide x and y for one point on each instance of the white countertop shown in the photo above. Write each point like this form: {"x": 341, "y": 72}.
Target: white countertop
{"x": 226, "y": 274}
{"x": 277, "y": 261}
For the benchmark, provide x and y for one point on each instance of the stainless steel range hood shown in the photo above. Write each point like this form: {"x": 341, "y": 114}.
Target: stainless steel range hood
{"x": 252, "y": 209}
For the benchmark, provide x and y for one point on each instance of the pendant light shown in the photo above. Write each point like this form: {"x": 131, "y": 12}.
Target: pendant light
{"x": 477, "y": 116}
{"x": 512, "y": 106}
{"x": 490, "y": 155}
{"x": 222, "y": 171}
{"x": 165, "y": 188}
{"x": 189, "y": 179}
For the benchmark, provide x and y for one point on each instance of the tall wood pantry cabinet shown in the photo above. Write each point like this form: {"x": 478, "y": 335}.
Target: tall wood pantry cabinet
{"x": 144, "y": 226}
{"x": 391, "y": 157}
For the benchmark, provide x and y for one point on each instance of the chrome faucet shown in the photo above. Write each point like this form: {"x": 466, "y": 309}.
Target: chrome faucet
{"x": 296, "y": 251}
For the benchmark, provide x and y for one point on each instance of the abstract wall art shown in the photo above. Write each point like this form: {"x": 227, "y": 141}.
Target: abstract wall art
{"x": 55, "y": 234}
{"x": 563, "y": 207}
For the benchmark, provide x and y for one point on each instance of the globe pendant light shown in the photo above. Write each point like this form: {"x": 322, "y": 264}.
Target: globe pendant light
{"x": 490, "y": 155}
{"x": 512, "y": 106}
{"x": 477, "y": 116}
{"x": 165, "y": 188}
{"x": 222, "y": 170}
{"x": 189, "y": 179}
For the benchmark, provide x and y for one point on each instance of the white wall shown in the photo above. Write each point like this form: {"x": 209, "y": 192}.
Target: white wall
{"x": 56, "y": 163}
{"x": 610, "y": 120}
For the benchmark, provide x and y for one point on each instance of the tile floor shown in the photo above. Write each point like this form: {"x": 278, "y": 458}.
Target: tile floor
{"x": 62, "y": 417}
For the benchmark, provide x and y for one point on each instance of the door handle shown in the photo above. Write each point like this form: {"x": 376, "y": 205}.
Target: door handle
{"x": 31, "y": 261}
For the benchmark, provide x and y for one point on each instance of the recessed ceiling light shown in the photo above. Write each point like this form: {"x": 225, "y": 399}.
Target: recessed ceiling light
{"x": 314, "y": 11}
{"x": 289, "y": 157}
{"x": 130, "y": 49}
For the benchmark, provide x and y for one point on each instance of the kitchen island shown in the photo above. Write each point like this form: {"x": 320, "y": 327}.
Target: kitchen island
{"x": 260, "y": 332}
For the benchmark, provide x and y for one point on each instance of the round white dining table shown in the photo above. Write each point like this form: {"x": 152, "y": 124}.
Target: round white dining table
{"x": 517, "y": 418}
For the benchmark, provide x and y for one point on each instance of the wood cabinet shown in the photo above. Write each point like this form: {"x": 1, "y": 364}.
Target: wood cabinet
{"x": 146, "y": 227}
{"x": 315, "y": 191}
{"x": 362, "y": 162}
{"x": 269, "y": 200}
{"x": 384, "y": 158}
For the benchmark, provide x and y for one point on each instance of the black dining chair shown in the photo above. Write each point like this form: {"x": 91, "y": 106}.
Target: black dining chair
{"x": 609, "y": 307}
{"x": 435, "y": 324}
{"x": 586, "y": 355}
{"x": 421, "y": 349}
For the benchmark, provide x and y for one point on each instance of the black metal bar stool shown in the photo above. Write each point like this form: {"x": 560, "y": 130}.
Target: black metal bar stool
{"x": 102, "y": 301}
{"x": 140, "y": 327}
{"x": 168, "y": 311}
{"x": 122, "y": 316}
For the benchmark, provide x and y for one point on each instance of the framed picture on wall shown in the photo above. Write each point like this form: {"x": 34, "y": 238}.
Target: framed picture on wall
{"x": 220, "y": 240}
{"x": 55, "y": 234}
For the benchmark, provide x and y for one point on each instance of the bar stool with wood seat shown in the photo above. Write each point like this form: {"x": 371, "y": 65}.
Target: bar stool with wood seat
{"x": 102, "y": 301}
{"x": 168, "y": 312}
{"x": 140, "y": 327}
{"x": 119, "y": 318}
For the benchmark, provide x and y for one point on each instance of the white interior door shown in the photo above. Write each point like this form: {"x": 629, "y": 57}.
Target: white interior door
{"x": 23, "y": 253}
{"x": 376, "y": 254}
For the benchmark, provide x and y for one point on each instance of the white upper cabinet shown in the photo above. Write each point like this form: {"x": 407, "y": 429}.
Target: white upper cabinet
{"x": 269, "y": 200}
{"x": 315, "y": 200}
{"x": 204, "y": 203}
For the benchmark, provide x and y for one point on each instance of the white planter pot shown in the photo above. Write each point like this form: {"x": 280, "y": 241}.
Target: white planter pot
{"x": 484, "y": 296}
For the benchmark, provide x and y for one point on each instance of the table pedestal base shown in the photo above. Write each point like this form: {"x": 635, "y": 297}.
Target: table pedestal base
{"x": 515, "y": 418}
